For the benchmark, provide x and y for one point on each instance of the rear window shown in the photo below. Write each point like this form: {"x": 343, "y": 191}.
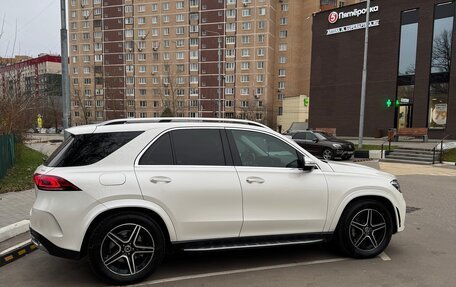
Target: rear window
{"x": 78, "y": 150}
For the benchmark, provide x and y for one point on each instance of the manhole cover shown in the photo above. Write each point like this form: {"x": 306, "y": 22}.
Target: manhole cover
{"x": 411, "y": 209}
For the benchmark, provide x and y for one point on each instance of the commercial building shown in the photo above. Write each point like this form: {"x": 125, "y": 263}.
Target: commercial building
{"x": 411, "y": 79}
{"x": 145, "y": 58}
{"x": 34, "y": 84}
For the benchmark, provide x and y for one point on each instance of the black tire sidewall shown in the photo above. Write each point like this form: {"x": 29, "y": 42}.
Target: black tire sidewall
{"x": 343, "y": 229}
{"x": 107, "y": 225}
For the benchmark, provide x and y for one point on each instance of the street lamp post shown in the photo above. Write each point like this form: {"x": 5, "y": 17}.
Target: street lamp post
{"x": 219, "y": 67}
{"x": 64, "y": 60}
{"x": 364, "y": 79}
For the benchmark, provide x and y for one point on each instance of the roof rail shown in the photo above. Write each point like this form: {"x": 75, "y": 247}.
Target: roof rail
{"x": 179, "y": 120}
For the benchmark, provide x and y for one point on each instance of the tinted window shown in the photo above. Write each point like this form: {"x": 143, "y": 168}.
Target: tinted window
{"x": 311, "y": 136}
{"x": 258, "y": 149}
{"x": 198, "y": 147}
{"x": 87, "y": 149}
{"x": 300, "y": 136}
{"x": 159, "y": 153}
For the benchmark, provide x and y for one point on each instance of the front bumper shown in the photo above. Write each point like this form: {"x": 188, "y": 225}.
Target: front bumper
{"x": 341, "y": 152}
{"x": 47, "y": 246}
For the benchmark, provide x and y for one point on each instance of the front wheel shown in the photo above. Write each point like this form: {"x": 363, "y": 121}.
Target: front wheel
{"x": 328, "y": 154}
{"x": 126, "y": 248}
{"x": 364, "y": 230}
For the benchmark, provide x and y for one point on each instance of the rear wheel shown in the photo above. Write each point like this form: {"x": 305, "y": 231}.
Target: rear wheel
{"x": 364, "y": 230}
{"x": 126, "y": 248}
{"x": 328, "y": 154}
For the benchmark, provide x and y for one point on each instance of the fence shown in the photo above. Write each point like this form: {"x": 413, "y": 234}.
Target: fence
{"x": 7, "y": 153}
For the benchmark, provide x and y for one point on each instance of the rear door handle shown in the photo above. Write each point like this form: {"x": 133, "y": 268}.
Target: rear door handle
{"x": 160, "y": 179}
{"x": 254, "y": 179}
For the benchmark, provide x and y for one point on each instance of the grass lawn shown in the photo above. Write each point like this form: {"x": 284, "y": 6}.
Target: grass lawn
{"x": 375, "y": 147}
{"x": 450, "y": 155}
{"x": 19, "y": 177}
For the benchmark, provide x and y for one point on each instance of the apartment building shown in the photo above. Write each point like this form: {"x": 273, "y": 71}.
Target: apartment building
{"x": 196, "y": 58}
{"x": 34, "y": 85}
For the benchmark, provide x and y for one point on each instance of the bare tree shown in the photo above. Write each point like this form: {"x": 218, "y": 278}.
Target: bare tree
{"x": 80, "y": 103}
{"x": 441, "y": 53}
{"x": 51, "y": 100}
{"x": 18, "y": 99}
{"x": 170, "y": 84}
{"x": 252, "y": 112}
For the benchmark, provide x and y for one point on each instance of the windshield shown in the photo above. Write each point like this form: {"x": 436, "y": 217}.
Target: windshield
{"x": 324, "y": 136}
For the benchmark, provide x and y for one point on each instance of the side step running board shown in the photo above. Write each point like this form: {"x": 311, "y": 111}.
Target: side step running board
{"x": 251, "y": 245}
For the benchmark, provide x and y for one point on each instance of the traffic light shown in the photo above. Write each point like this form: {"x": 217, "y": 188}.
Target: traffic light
{"x": 398, "y": 103}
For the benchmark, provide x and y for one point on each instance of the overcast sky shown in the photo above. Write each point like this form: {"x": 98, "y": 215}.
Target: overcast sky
{"x": 38, "y": 27}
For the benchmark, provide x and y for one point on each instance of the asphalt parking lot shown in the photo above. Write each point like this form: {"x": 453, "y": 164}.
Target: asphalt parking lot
{"x": 423, "y": 255}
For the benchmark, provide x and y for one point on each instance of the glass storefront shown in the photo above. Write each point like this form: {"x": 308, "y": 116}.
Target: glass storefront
{"x": 440, "y": 65}
{"x": 406, "y": 69}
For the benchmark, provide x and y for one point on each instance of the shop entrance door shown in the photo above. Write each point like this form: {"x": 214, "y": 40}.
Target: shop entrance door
{"x": 404, "y": 119}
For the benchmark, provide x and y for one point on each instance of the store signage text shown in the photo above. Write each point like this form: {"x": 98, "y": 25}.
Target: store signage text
{"x": 334, "y": 16}
{"x": 352, "y": 27}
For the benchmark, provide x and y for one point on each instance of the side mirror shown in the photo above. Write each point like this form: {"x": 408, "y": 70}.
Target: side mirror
{"x": 308, "y": 164}
{"x": 315, "y": 140}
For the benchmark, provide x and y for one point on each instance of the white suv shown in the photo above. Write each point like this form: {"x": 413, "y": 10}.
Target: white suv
{"x": 125, "y": 192}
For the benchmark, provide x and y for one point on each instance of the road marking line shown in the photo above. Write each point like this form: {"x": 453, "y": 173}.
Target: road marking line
{"x": 384, "y": 256}
{"x": 15, "y": 246}
{"x": 238, "y": 271}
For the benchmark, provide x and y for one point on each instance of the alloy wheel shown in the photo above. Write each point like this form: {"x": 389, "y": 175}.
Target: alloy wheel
{"x": 367, "y": 229}
{"x": 327, "y": 154}
{"x": 127, "y": 249}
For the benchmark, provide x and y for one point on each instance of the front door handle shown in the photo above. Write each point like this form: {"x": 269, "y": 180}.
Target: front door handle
{"x": 254, "y": 179}
{"x": 160, "y": 179}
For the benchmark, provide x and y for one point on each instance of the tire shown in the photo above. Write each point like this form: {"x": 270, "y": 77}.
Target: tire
{"x": 359, "y": 237}
{"x": 327, "y": 154}
{"x": 346, "y": 157}
{"x": 123, "y": 239}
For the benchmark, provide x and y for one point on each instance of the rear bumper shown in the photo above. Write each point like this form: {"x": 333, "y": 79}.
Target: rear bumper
{"x": 47, "y": 246}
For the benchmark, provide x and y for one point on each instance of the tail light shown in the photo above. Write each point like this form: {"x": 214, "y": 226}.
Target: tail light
{"x": 53, "y": 183}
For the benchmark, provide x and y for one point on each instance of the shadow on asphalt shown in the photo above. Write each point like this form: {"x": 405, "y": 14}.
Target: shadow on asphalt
{"x": 41, "y": 269}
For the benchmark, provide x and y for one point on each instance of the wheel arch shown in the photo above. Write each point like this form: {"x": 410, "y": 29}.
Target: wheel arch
{"x": 168, "y": 234}
{"x": 379, "y": 198}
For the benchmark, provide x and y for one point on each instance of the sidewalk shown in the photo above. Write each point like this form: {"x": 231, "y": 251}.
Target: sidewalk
{"x": 15, "y": 206}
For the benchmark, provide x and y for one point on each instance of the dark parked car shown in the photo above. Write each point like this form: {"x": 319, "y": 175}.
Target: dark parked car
{"x": 322, "y": 144}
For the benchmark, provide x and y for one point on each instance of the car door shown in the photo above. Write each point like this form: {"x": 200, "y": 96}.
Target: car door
{"x": 300, "y": 139}
{"x": 190, "y": 174}
{"x": 278, "y": 197}
{"x": 312, "y": 144}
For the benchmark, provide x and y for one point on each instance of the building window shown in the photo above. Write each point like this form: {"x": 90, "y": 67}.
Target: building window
{"x": 406, "y": 67}
{"x": 283, "y": 21}
{"x": 440, "y": 65}
{"x": 262, "y": 11}
{"x": 283, "y": 33}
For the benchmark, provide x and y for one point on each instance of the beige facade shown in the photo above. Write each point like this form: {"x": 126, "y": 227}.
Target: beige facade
{"x": 295, "y": 109}
{"x": 146, "y": 58}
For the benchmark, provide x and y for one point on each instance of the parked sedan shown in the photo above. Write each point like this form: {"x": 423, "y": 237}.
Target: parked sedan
{"x": 322, "y": 144}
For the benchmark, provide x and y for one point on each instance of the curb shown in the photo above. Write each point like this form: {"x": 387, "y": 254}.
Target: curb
{"x": 16, "y": 252}
{"x": 14, "y": 229}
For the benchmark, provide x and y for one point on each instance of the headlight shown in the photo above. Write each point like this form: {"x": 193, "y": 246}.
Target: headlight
{"x": 396, "y": 184}
{"x": 337, "y": 146}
